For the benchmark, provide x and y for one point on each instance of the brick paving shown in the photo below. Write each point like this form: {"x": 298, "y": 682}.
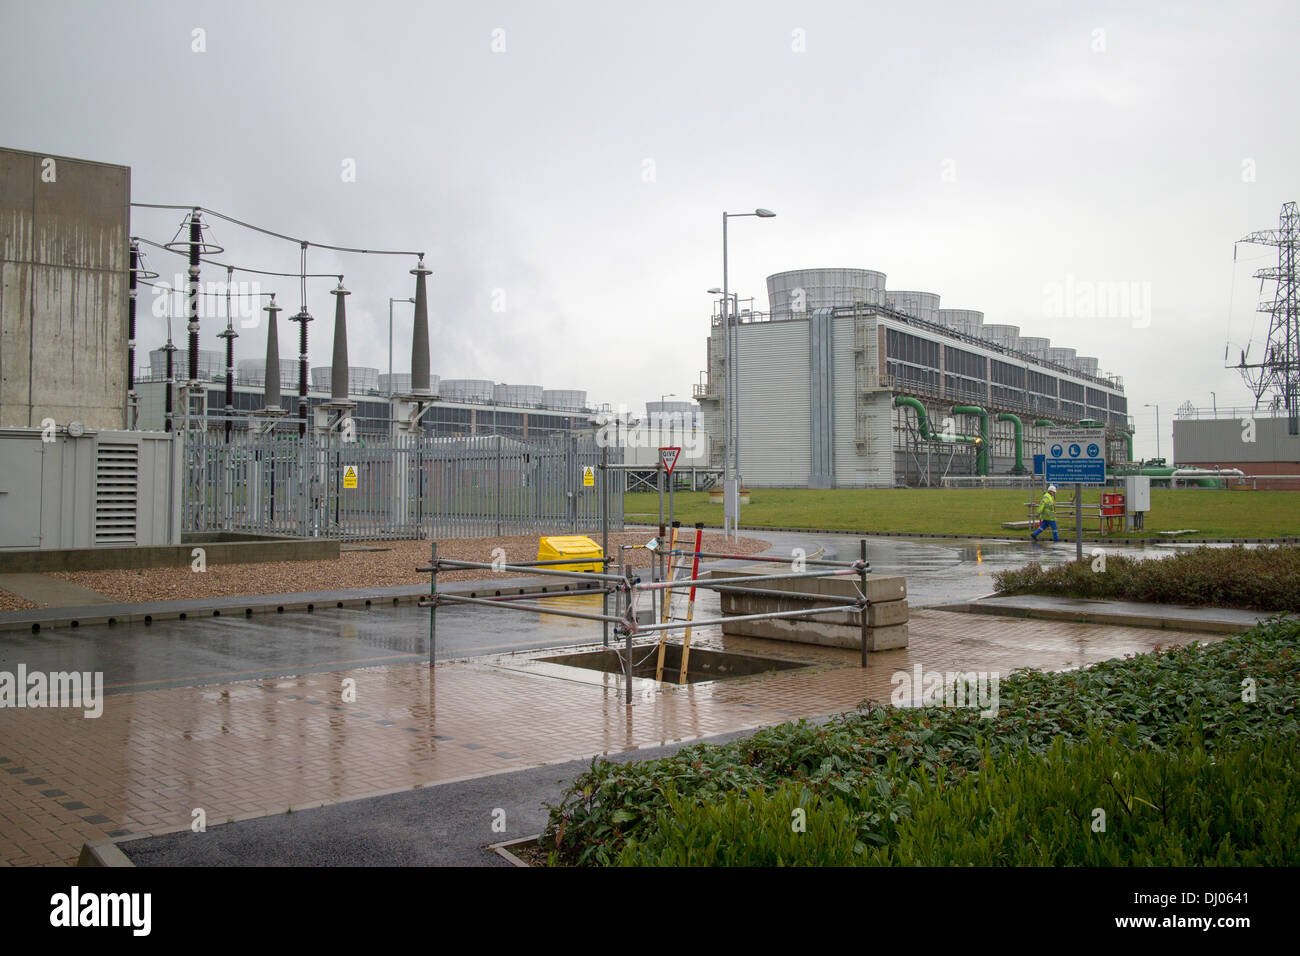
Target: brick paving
{"x": 264, "y": 746}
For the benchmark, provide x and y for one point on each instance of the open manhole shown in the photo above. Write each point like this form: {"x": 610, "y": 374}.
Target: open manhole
{"x": 703, "y": 665}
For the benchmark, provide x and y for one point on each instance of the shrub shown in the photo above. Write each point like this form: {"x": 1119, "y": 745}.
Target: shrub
{"x": 1106, "y": 801}
{"x": 1264, "y": 579}
{"x": 1180, "y": 807}
{"x": 784, "y": 827}
{"x": 870, "y": 758}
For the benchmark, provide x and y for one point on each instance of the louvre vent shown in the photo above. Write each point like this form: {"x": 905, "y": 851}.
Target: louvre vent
{"x": 117, "y": 480}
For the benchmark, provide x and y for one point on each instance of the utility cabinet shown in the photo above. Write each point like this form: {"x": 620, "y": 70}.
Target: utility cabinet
{"x": 1137, "y": 499}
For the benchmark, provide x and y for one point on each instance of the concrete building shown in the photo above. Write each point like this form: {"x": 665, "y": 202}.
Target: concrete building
{"x": 64, "y": 259}
{"x": 1254, "y": 442}
{"x": 853, "y": 392}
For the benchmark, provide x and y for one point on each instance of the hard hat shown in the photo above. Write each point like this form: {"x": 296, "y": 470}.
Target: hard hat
{"x": 1052, "y": 488}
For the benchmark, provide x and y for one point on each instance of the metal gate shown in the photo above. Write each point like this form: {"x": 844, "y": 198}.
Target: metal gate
{"x": 372, "y": 490}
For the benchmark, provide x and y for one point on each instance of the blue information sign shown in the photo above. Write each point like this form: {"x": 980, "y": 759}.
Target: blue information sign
{"x": 1075, "y": 456}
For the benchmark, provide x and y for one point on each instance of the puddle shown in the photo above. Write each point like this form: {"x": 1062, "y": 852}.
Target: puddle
{"x": 704, "y": 665}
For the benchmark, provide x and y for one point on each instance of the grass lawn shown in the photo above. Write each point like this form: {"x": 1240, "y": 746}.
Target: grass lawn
{"x": 980, "y": 512}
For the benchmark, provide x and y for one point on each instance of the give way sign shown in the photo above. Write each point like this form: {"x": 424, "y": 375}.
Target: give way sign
{"x": 668, "y": 458}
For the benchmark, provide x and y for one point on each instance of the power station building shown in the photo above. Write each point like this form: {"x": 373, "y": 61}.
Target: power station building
{"x": 518, "y": 411}
{"x": 847, "y": 384}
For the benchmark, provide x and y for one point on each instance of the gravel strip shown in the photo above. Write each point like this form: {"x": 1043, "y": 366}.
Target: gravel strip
{"x": 354, "y": 569}
{"x": 12, "y": 602}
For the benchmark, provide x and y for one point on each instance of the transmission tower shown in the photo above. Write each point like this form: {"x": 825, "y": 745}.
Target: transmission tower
{"x": 1275, "y": 378}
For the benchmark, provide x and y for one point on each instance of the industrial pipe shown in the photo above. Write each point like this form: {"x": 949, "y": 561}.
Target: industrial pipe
{"x": 1128, "y": 441}
{"x": 1019, "y": 468}
{"x": 1044, "y": 423}
{"x": 923, "y": 423}
{"x": 982, "y": 447}
{"x": 1205, "y": 477}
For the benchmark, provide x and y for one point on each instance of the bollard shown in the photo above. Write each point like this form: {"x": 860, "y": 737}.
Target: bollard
{"x": 628, "y": 666}
{"x": 604, "y": 537}
{"x": 862, "y": 582}
{"x": 433, "y": 601}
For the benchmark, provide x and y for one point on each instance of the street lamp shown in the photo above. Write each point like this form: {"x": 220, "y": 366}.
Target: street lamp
{"x": 730, "y": 469}
{"x": 390, "y": 341}
{"x": 661, "y": 416}
{"x": 1157, "y": 408}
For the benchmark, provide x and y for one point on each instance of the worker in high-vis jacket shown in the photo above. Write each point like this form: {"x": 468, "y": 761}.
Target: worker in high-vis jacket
{"x": 1047, "y": 514}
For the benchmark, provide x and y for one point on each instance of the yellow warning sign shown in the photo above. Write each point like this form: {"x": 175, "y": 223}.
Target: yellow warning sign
{"x": 589, "y": 477}
{"x": 350, "y": 476}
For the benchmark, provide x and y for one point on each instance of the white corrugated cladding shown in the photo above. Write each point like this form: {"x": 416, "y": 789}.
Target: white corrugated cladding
{"x": 773, "y": 400}
{"x": 873, "y": 464}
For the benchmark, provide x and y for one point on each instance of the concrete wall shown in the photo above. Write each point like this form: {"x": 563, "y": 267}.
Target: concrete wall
{"x": 64, "y": 259}
{"x": 774, "y": 390}
{"x": 241, "y": 549}
{"x": 1199, "y": 441}
{"x": 860, "y": 413}
{"x": 108, "y": 488}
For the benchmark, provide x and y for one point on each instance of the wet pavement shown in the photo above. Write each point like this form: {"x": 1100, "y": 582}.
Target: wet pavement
{"x": 940, "y": 571}
{"x": 450, "y": 824}
{"x": 1214, "y": 620}
{"x": 135, "y": 657}
{"x": 245, "y": 748}
{"x": 249, "y": 716}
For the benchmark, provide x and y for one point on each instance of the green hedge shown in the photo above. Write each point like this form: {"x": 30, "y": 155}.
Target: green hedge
{"x": 1264, "y": 579}
{"x": 754, "y": 828}
{"x": 1105, "y": 802}
{"x": 871, "y": 758}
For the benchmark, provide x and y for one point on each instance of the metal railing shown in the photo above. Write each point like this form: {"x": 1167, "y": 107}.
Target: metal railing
{"x": 1229, "y": 411}
{"x": 626, "y": 589}
{"x": 318, "y": 486}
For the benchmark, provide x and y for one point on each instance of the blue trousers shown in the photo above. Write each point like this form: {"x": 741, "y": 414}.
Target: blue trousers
{"x": 1046, "y": 524}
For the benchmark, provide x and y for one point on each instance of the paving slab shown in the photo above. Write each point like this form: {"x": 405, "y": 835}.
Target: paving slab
{"x": 50, "y": 592}
{"x": 301, "y": 740}
{"x": 450, "y": 824}
{"x": 1182, "y": 617}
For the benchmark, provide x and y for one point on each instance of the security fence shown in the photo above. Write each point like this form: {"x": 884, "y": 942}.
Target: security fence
{"x": 430, "y": 487}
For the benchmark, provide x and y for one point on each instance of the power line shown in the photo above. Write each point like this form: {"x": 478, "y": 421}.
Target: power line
{"x": 280, "y": 235}
{"x": 263, "y": 272}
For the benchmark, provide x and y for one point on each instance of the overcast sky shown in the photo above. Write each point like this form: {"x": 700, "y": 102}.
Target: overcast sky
{"x": 568, "y": 163}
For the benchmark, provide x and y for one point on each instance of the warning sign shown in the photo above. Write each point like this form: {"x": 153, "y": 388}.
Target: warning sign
{"x": 350, "y": 476}
{"x": 589, "y": 477}
{"x": 668, "y": 458}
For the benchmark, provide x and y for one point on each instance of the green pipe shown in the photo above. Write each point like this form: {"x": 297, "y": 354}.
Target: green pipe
{"x": 1091, "y": 423}
{"x": 1019, "y": 469}
{"x": 923, "y": 422}
{"x": 981, "y": 449}
{"x": 1128, "y": 441}
{"x": 1044, "y": 423}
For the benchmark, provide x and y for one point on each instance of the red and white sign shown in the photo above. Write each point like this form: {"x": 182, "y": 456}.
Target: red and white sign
{"x": 668, "y": 458}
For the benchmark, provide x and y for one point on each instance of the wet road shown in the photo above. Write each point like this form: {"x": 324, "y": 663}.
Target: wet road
{"x": 219, "y": 650}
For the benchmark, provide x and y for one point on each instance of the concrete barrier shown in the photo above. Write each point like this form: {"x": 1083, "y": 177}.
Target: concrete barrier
{"x": 887, "y": 613}
{"x": 218, "y": 549}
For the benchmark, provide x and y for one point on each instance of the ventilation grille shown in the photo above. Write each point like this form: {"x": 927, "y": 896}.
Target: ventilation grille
{"x": 117, "y": 481}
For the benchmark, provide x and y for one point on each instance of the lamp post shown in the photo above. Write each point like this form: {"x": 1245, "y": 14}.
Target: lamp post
{"x": 661, "y": 415}
{"x": 390, "y": 341}
{"x": 731, "y": 469}
{"x": 1157, "y": 408}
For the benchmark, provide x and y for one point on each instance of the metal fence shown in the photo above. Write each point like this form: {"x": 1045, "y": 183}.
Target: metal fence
{"x": 281, "y": 483}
